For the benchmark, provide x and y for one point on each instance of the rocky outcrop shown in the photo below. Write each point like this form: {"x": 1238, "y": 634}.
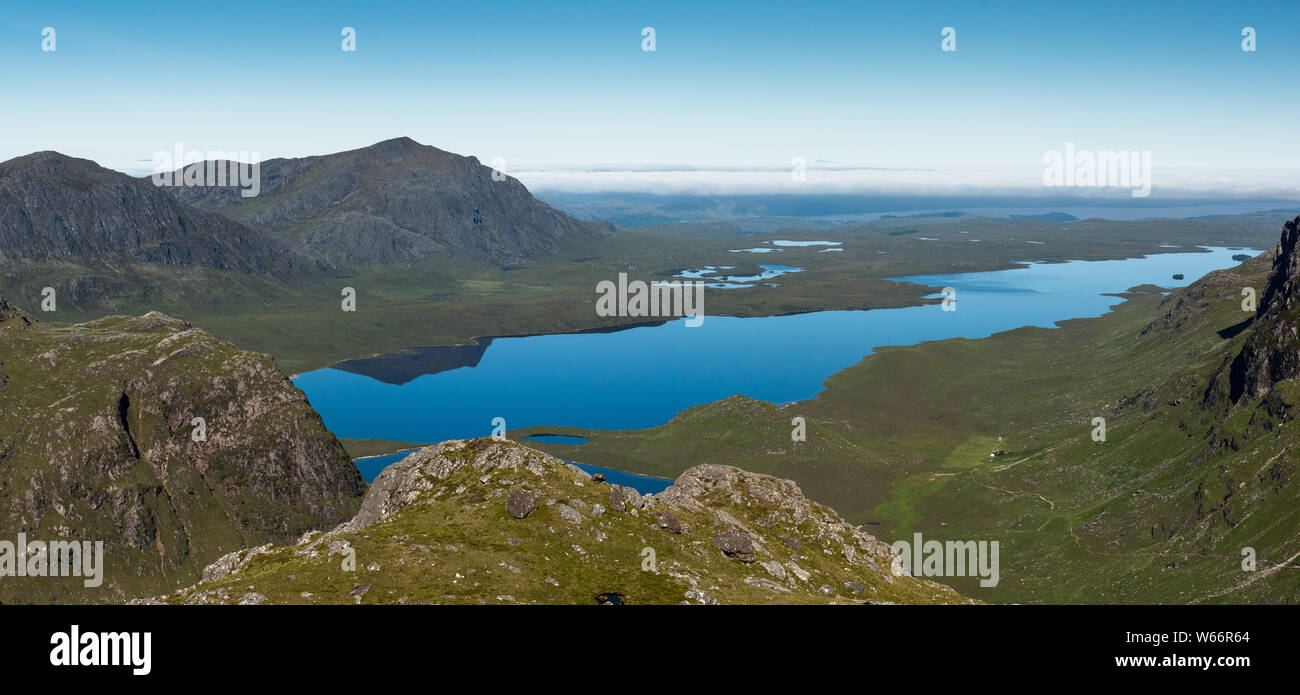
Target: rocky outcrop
{"x": 13, "y": 317}
{"x": 521, "y": 503}
{"x": 479, "y": 521}
{"x": 402, "y": 483}
{"x": 1272, "y": 350}
{"x": 396, "y": 202}
{"x": 169, "y": 445}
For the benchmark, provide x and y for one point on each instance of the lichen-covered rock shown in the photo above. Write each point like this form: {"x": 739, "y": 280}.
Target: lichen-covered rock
{"x": 625, "y": 499}
{"x": 521, "y": 503}
{"x": 568, "y": 513}
{"x": 735, "y": 544}
{"x": 668, "y": 522}
{"x": 405, "y": 481}
{"x": 232, "y": 562}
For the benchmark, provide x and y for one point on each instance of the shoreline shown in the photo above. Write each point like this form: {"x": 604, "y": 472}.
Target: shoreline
{"x": 375, "y": 456}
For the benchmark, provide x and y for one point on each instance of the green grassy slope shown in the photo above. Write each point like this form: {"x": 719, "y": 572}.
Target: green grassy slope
{"x": 1159, "y": 512}
{"x": 446, "y": 535}
{"x": 446, "y": 302}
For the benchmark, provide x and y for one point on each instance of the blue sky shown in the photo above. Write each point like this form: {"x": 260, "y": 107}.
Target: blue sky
{"x": 731, "y": 84}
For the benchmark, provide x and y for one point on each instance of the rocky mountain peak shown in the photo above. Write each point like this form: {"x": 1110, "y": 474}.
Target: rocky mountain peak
{"x": 1272, "y": 352}
{"x": 399, "y": 144}
{"x": 1283, "y": 288}
{"x": 394, "y": 203}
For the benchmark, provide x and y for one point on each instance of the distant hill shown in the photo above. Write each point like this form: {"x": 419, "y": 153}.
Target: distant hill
{"x": 110, "y": 243}
{"x": 396, "y": 202}
{"x": 1048, "y": 217}
{"x": 56, "y": 207}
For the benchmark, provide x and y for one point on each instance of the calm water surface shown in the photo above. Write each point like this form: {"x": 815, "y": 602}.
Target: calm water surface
{"x": 643, "y": 376}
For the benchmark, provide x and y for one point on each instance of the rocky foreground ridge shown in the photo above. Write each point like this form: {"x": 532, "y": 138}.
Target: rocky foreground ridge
{"x": 494, "y": 522}
{"x": 170, "y": 446}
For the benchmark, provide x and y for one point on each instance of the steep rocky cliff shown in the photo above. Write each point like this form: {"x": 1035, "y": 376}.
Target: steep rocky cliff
{"x": 170, "y": 446}
{"x": 481, "y": 521}
{"x": 1272, "y": 352}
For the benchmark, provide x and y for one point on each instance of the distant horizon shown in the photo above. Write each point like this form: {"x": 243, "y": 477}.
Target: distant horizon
{"x": 938, "y": 194}
{"x": 570, "y": 97}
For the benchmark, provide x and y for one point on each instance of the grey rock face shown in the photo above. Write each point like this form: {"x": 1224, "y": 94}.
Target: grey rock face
{"x": 395, "y": 202}
{"x": 735, "y": 544}
{"x": 57, "y": 207}
{"x": 1272, "y": 352}
{"x": 232, "y": 562}
{"x": 623, "y": 498}
{"x": 127, "y": 464}
{"x": 521, "y": 503}
{"x": 668, "y": 522}
{"x": 568, "y": 513}
{"x": 359, "y": 591}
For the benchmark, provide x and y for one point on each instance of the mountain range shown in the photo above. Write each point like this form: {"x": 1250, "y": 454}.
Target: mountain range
{"x": 212, "y": 480}
{"x": 396, "y": 202}
{"x": 55, "y": 208}
{"x": 107, "y": 242}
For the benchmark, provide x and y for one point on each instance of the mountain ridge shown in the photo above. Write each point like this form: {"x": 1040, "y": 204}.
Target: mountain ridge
{"x": 56, "y": 207}
{"x": 396, "y": 202}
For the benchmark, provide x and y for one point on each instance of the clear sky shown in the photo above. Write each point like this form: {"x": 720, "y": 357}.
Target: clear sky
{"x": 564, "y": 84}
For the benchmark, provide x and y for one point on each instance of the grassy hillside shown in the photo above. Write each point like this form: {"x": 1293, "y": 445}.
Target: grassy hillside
{"x": 446, "y": 302}
{"x": 479, "y": 521}
{"x": 1159, "y": 512}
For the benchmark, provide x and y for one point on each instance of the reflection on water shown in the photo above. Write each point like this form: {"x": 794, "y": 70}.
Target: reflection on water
{"x": 642, "y": 376}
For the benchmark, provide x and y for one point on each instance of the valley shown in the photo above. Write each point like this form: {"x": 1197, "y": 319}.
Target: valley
{"x": 970, "y": 425}
{"x": 1193, "y": 476}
